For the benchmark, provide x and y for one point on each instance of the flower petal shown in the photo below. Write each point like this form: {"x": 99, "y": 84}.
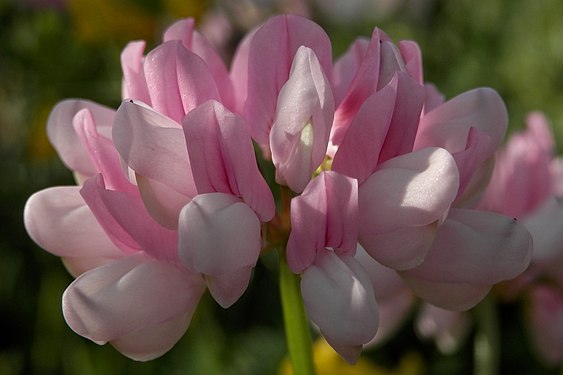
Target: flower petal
{"x": 271, "y": 53}
{"x": 403, "y": 202}
{"x": 128, "y": 296}
{"x": 449, "y": 296}
{"x": 476, "y": 247}
{"x": 227, "y": 288}
{"x": 222, "y": 157}
{"x": 127, "y": 222}
{"x": 218, "y": 235}
{"x": 339, "y": 299}
{"x": 448, "y": 125}
{"x": 358, "y": 154}
{"x": 178, "y": 80}
{"x": 134, "y": 84}
{"x": 59, "y": 221}
{"x": 325, "y": 215}
{"x": 63, "y": 136}
{"x": 304, "y": 114}
{"x": 152, "y": 341}
{"x": 154, "y": 147}
{"x": 184, "y": 31}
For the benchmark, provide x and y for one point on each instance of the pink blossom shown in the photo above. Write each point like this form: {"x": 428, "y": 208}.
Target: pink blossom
{"x": 301, "y": 128}
{"x": 111, "y": 243}
{"x": 524, "y": 184}
{"x": 230, "y": 190}
{"x": 371, "y": 157}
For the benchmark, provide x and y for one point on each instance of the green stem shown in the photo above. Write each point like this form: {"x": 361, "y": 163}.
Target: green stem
{"x": 297, "y": 329}
{"x": 487, "y": 342}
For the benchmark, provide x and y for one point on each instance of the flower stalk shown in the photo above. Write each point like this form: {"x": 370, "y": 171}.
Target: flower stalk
{"x": 486, "y": 346}
{"x": 297, "y": 331}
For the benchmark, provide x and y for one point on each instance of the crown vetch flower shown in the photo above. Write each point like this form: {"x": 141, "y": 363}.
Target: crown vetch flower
{"x": 173, "y": 200}
{"x": 120, "y": 255}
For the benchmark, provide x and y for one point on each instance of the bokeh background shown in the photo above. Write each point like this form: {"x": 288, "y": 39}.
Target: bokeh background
{"x": 51, "y": 50}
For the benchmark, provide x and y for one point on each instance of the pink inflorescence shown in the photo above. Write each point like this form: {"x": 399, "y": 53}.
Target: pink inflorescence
{"x": 379, "y": 177}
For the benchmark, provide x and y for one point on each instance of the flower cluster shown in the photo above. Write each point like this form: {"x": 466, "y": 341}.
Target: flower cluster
{"x": 376, "y": 170}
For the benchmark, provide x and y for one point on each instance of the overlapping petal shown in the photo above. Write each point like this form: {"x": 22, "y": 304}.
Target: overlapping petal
{"x": 59, "y": 221}
{"x": 126, "y": 221}
{"x": 339, "y": 299}
{"x": 476, "y": 247}
{"x": 178, "y": 80}
{"x": 403, "y": 203}
{"x": 270, "y": 57}
{"x": 301, "y": 129}
{"x": 133, "y": 296}
{"x": 325, "y": 215}
{"x": 154, "y": 147}
{"x": 222, "y": 158}
{"x": 184, "y": 31}
{"x": 64, "y": 138}
{"x": 219, "y": 235}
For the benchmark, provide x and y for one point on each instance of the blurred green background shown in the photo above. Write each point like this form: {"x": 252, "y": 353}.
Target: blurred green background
{"x": 51, "y": 50}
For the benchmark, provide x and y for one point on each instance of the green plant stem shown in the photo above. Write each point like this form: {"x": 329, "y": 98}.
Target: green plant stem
{"x": 487, "y": 342}
{"x": 297, "y": 329}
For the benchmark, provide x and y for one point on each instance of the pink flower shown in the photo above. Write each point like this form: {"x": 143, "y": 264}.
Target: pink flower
{"x": 301, "y": 128}
{"x": 524, "y": 184}
{"x": 219, "y": 229}
{"x": 174, "y": 200}
{"x": 120, "y": 255}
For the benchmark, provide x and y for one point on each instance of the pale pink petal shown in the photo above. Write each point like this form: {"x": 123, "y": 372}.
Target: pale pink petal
{"x": 154, "y": 147}
{"x": 304, "y": 114}
{"x": 403, "y": 202}
{"x": 181, "y": 30}
{"x": 222, "y": 157}
{"x": 395, "y": 300}
{"x": 546, "y": 323}
{"x": 161, "y": 201}
{"x": 239, "y": 71}
{"x": 150, "y": 342}
{"x": 130, "y": 295}
{"x": 448, "y": 125}
{"x": 406, "y": 115}
{"x": 325, "y": 215}
{"x": 476, "y": 247}
{"x": 59, "y": 221}
{"x": 178, "y": 80}
{"x": 191, "y": 39}
{"x": 271, "y": 53}
{"x": 220, "y": 236}
{"x": 522, "y": 177}
{"x": 127, "y": 222}
{"x": 358, "y": 154}
{"x": 448, "y": 329}
{"x": 227, "y": 288}
{"x": 63, "y": 137}
{"x": 391, "y": 63}
{"x": 470, "y": 162}
{"x": 339, "y": 299}
{"x": 102, "y": 152}
{"x": 449, "y": 296}
{"x": 347, "y": 65}
{"x": 357, "y": 89}
{"x": 412, "y": 56}
{"x": 134, "y": 84}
